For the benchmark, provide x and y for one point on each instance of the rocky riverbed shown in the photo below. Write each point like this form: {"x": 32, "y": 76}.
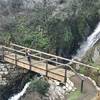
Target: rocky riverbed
{"x": 15, "y": 78}
{"x": 57, "y": 91}
{"x": 12, "y": 80}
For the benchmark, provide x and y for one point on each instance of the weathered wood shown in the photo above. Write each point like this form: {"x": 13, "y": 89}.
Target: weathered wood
{"x": 47, "y": 54}
{"x": 39, "y": 69}
{"x": 23, "y": 53}
{"x": 56, "y": 67}
{"x": 23, "y": 49}
{"x": 65, "y": 78}
{"x": 82, "y": 81}
{"x": 32, "y": 55}
{"x": 15, "y": 59}
{"x": 75, "y": 72}
{"x": 46, "y": 69}
{"x": 40, "y": 63}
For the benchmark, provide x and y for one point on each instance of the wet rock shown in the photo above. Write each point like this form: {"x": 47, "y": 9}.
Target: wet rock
{"x": 96, "y": 55}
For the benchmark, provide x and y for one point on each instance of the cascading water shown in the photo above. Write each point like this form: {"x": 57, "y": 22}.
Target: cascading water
{"x": 91, "y": 40}
{"x": 17, "y": 96}
{"x": 55, "y": 90}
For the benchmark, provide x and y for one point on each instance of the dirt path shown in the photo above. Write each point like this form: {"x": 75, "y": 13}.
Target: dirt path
{"x": 89, "y": 90}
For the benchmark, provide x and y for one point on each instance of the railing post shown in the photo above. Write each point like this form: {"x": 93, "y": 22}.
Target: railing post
{"x": 15, "y": 59}
{"x": 46, "y": 68}
{"x": 82, "y": 81}
{"x": 56, "y": 61}
{"x": 40, "y": 56}
{"x": 30, "y": 64}
{"x": 78, "y": 68}
{"x": 65, "y": 76}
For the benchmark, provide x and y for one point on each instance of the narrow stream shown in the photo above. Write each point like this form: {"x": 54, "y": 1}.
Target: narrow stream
{"x": 20, "y": 94}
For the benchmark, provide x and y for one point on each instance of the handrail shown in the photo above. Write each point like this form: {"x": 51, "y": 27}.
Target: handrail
{"x": 75, "y": 72}
{"x": 34, "y": 56}
{"x": 44, "y": 59}
{"x": 58, "y": 57}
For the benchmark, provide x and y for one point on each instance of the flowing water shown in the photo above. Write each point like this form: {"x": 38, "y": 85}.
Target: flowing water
{"x": 55, "y": 90}
{"x": 91, "y": 40}
{"x": 17, "y": 96}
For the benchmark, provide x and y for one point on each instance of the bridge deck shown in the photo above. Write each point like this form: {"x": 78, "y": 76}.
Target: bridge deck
{"x": 36, "y": 66}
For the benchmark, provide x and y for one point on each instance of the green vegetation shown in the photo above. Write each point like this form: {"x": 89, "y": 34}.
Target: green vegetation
{"x": 82, "y": 70}
{"x": 74, "y": 95}
{"x": 53, "y": 27}
{"x": 43, "y": 27}
{"x": 39, "y": 85}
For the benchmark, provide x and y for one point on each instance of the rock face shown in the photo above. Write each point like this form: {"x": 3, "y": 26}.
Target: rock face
{"x": 96, "y": 54}
{"x": 33, "y": 96}
{"x": 57, "y": 91}
{"x": 12, "y": 80}
{"x": 93, "y": 55}
{"x": 8, "y": 72}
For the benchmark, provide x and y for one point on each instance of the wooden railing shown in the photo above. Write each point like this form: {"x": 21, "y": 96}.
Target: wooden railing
{"x": 57, "y": 58}
{"x": 42, "y": 57}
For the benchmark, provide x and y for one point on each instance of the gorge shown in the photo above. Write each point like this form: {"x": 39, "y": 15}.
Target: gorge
{"x": 66, "y": 28}
{"x": 91, "y": 40}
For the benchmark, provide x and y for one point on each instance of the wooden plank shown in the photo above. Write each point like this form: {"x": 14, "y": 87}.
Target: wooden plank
{"x": 40, "y": 66}
{"x": 35, "y": 56}
{"x": 35, "y": 69}
{"x": 57, "y": 57}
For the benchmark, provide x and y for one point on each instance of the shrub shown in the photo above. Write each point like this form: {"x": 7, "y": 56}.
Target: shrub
{"x": 40, "y": 85}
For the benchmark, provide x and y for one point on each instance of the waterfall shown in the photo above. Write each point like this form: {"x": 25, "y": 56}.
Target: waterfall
{"x": 17, "y": 96}
{"x": 91, "y": 40}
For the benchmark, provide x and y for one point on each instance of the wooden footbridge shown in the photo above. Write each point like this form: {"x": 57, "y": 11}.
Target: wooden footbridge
{"x": 41, "y": 62}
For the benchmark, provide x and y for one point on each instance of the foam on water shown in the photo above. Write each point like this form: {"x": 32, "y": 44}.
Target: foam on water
{"x": 17, "y": 96}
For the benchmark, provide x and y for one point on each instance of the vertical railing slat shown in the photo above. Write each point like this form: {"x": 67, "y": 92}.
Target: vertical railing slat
{"x": 82, "y": 81}
{"x": 65, "y": 76}
{"x": 46, "y": 68}
{"x": 15, "y": 59}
